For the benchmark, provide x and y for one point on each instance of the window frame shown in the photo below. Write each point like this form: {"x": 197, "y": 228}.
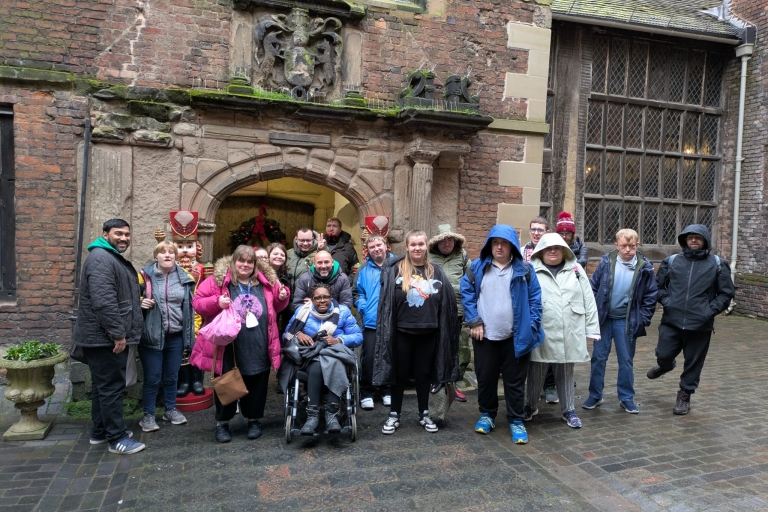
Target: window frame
{"x": 7, "y": 206}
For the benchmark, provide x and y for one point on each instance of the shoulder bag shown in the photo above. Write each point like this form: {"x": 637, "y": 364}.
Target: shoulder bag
{"x": 229, "y": 387}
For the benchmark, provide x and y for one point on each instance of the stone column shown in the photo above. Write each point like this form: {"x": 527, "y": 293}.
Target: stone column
{"x": 421, "y": 188}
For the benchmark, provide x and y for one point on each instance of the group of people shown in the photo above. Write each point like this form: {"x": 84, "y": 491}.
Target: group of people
{"x": 528, "y": 312}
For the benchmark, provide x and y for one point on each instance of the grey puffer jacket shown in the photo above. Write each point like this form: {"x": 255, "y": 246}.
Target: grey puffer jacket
{"x": 153, "y": 334}
{"x": 109, "y": 306}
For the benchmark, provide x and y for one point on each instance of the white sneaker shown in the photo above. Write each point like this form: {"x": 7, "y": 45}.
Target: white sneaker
{"x": 393, "y": 421}
{"x": 427, "y": 423}
{"x": 387, "y": 400}
{"x": 367, "y": 404}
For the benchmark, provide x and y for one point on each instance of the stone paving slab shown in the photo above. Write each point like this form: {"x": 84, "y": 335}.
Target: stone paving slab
{"x": 716, "y": 458}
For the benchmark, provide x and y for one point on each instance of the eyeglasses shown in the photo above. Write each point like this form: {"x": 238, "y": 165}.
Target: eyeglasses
{"x": 322, "y": 298}
{"x": 536, "y": 230}
{"x": 305, "y": 241}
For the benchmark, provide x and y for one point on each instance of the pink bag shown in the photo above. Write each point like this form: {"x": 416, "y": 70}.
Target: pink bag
{"x": 223, "y": 329}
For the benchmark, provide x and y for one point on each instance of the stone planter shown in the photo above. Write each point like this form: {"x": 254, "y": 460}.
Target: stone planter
{"x": 29, "y": 384}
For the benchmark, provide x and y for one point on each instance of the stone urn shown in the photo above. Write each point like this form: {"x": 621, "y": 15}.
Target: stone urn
{"x": 29, "y": 384}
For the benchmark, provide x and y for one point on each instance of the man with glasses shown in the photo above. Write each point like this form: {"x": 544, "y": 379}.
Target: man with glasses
{"x": 538, "y": 226}
{"x": 625, "y": 292}
{"x": 300, "y": 258}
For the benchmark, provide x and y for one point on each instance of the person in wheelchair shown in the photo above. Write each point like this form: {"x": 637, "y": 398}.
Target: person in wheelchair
{"x": 309, "y": 346}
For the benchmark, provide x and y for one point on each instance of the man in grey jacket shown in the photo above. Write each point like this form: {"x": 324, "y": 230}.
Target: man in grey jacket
{"x": 108, "y": 321}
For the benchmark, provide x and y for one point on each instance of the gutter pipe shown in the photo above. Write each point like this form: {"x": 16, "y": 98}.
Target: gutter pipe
{"x": 83, "y": 189}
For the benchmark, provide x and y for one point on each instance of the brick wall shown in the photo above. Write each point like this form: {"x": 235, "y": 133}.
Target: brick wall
{"x": 48, "y": 126}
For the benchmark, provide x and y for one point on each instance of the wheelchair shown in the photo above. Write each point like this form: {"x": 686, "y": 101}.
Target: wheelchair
{"x": 295, "y": 404}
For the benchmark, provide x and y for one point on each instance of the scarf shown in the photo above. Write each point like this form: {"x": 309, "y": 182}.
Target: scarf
{"x": 329, "y": 320}
{"x": 334, "y": 272}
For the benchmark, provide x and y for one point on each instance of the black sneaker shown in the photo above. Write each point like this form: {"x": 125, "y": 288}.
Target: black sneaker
{"x": 254, "y": 430}
{"x": 683, "y": 403}
{"x": 657, "y": 371}
{"x": 222, "y": 433}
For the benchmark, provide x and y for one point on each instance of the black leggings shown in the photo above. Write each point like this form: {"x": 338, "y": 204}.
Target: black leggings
{"x": 252, "y": 404}
{"x": 315, "y": 386}
{"x": 415, "y": 356}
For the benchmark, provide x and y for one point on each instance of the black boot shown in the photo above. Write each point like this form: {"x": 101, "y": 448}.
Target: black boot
{"x": 182, "y": 388}
{"x": 657, "y": 371}
{"x": 313, "y": 419}
{"x": 332, "y": 424}
{"x": 196, "y": 377}
{"x": 222, "y": 433}
{"x": 683, "y": 403}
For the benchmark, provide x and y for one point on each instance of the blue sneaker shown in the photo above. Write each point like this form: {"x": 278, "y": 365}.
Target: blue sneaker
{"x": 126, "y": 446}
{"x": 571, "y": 419}
{"x": 519, "y": 434}
{"x": 629, "y": 406}
{"x": 592, "y": 402}
{"x": 485, "y": 424}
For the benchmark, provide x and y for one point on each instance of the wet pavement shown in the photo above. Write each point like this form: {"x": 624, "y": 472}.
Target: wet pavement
{"x": 715, "y": 458}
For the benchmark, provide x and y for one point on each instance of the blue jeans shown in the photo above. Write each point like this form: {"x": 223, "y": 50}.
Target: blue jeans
{"x": 625, "y": 353}
{"x": 163, "y": 364}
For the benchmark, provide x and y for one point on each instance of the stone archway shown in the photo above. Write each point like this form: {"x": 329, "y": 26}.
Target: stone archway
{"x": 208, "y": 182}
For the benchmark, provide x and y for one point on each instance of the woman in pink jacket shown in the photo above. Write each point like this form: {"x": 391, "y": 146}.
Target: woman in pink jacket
{"x": 252, "y": 288}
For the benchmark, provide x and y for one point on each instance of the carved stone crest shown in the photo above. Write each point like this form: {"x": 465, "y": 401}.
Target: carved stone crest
{"x": 296, "y": 54}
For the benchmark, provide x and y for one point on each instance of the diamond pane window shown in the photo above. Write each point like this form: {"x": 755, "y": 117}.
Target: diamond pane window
{"x": 638, "y": 64}
{"x": 651, "y": 176}
{"x": 634, "y": 133}
{"x": 650, "y": 223}
{"x": 695, "y": 77}
{"x": 671, "y": 166}
{"x": 548, "y": 120}
{"x": 592, "y": 221}
{"x": 612, "y": 221}
{"x": 614, "y": 124}
{"x": 689, "y": 178}
{"x": 651, "y": 167}
{"x": 632, "y": 175}
{"x": 612, "y": 174}
{"x": 672, "y": 131}
{"x": 676, "y": 75}
{"x": 669, "y": 225}
{"x": 599, "y": 63}
{"x": 594, "y": 165}
{"x": 595, "y": 123}
{"x": 618, "y": 66}
{"x": 653, "y": 129}
{"x": 546, "y": 177}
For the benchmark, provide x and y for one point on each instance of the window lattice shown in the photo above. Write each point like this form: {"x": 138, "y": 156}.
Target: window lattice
{"x": 546, "y": 178}
{"x": 652, "y": 168}
{"x": 548, "y": 120}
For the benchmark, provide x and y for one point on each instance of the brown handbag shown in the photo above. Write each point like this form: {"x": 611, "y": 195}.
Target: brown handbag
{"x": 229, "y": 387}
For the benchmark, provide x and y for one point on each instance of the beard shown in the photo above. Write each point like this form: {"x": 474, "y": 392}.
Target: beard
{"x": 186, "y": 262}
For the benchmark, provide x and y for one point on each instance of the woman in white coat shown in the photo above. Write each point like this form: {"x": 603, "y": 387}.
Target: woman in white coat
{"x": 569, "y": 317}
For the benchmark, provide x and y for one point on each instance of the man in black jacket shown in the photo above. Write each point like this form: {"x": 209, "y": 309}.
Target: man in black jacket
{"x": 339, "y": 244}
{"x": 694, "y": 287}
{"x": 108, "y": 321}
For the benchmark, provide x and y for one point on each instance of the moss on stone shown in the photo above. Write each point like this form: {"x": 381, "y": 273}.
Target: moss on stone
{"x": 158, "y": 111}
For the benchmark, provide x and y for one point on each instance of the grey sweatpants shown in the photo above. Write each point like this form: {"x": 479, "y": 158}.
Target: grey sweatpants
{"x": 563, "y": 382}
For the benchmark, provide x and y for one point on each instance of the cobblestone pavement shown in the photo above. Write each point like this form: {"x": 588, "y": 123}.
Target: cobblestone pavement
{"x": 715, "y": 458}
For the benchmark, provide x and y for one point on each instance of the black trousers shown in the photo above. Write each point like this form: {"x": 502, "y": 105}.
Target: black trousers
{"x": 315, "y": 385}
{"x": 252, "y": 404}
{"x": 693, "y": 344}
{"x": 492, "y": 358}
{"x": 549, "y": 378}
{"x": 415, "y": 356}
{"x": 367, "y": 352}
{"x": 108, "y": 384}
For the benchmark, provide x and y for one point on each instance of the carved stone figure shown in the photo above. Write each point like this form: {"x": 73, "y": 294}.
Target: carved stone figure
{"x": 297, "y": 54}
{"x": 457, "y": 93}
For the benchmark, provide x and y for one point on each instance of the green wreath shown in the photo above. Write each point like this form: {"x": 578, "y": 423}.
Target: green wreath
{"x": 256, "y": 230}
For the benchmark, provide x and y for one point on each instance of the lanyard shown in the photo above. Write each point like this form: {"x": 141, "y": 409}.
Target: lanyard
{"x": 242, "y": 291}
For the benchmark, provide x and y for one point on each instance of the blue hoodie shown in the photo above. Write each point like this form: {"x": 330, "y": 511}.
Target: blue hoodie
{"x": 365, "y": 292}
{"x": 526, "y": 294}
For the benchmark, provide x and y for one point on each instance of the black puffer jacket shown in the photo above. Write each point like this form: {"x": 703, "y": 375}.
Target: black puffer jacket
{"x": 344, "y": 252}
{"x": 692, "y": 289}
{"x": 446, "y": 364}
{"x": 110, "y": 307}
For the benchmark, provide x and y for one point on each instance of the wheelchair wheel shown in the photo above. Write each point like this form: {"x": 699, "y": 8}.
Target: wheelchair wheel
{"x": 353, "y": 421}
{"x": 288, "y": 428}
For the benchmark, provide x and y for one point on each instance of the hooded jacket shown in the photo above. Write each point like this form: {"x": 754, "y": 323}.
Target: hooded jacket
{"x": 344, "y": 252}
{"x": 110, "y": 305}
{"x": 206, "y": 304}
{"x": 642, "y": 292}
{"x": 365, "y": 291}
{"x": 580, "y": 252}
{"x": 692, "y": 289}
{"x": 153, "y": 334}
{"x": 526, "y": 293}
{"x": 298, "y": 262}
{"x": 569, "y": 309}
{"x": 445, "y": 366}
{"x": 455, "y": 265}
{"x": 340, "y": 289}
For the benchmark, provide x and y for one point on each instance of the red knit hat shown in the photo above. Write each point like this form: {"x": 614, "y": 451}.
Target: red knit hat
{"x": 565, "y": 223}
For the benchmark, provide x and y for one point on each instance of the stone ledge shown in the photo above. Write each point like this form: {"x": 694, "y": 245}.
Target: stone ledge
{"x": 519, "y": 126}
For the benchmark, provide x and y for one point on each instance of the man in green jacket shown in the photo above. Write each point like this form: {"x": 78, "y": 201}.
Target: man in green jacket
{"x": 446, "y": 250}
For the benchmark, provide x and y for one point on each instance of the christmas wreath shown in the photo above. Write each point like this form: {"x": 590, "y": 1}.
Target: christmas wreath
{"x": 256, "y": 230}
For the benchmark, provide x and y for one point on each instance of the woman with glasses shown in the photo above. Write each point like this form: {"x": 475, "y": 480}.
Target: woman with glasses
{"x": 328, "y": 331}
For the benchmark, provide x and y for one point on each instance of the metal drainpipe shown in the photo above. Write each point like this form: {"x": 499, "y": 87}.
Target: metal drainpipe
{"x": 745, "y": 53}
